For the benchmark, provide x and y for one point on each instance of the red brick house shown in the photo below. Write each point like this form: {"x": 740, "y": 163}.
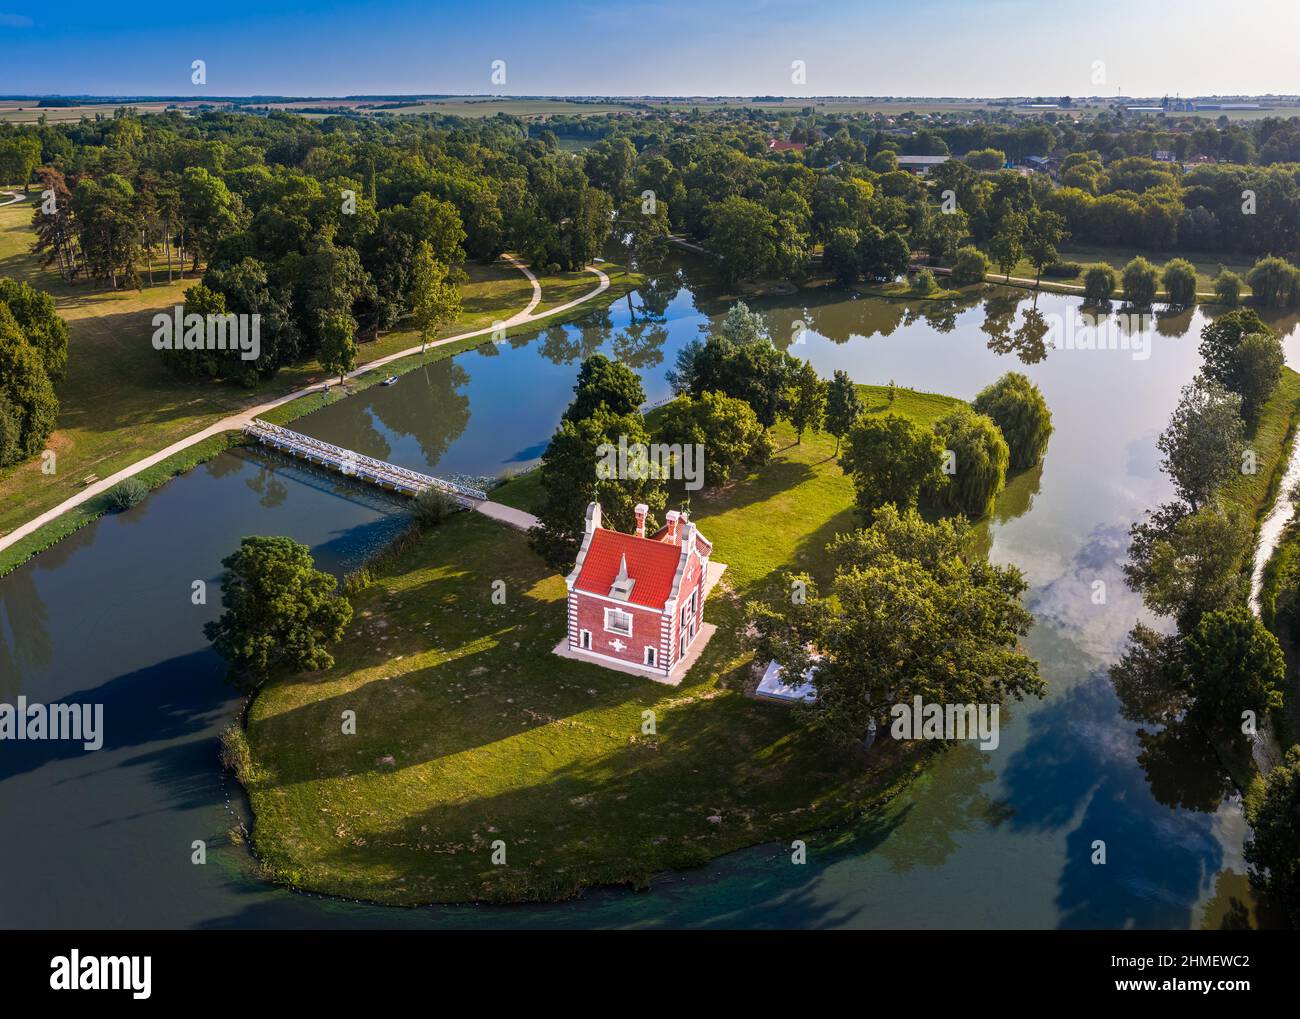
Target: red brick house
{"x": 637, "y": 602}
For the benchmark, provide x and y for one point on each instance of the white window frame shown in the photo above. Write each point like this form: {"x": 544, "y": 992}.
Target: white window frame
{"x": 609, "y": 612}
{"x": 584, "y": 639}
{"x": 651, "y": 656}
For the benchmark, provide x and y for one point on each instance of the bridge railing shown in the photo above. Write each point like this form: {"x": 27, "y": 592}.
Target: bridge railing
{"x": 353, "y": 464}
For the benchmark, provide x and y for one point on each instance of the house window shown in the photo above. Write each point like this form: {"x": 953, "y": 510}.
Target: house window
{"x": 651, "y": 657}
{"x": 584, "y": 639}
{"x": 618, "y": 621}
{"x": 694, "y": 601}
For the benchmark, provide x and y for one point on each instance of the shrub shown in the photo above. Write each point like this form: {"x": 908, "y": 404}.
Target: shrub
{"x": 237, "y": 756}
{"x": 1018, "y": 409}
{"x": 924, "y": 282}
{"x": 1227, "y": 288}
{"x": 432, "y": 506}
{"x": 1099, "y": 284}
{"x": 1140, "y": 280}
{"x": 970, "y": 266}
{"x": 356, "y": 582}
{"x": 1179, "y": 280}
{"x": 127, "y": 493}
{"x": 1063, "y": 270}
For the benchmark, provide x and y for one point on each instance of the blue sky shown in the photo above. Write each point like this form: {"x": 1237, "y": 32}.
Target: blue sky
{"x": 673, "y": 47}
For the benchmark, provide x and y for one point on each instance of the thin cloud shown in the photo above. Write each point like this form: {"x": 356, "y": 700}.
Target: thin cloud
{"x": 15, "y": 21}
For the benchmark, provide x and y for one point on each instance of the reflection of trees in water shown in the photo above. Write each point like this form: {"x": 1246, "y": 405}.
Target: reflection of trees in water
{"x": 563, "y": 345}
{"x": 221, "y": 466}
{"x": 1182, "y": 765}
{"x": 641, "y": 345}
{"x": 1015, "y": 500}
{"x": 1028, "y": 340}
{"x": 655, "y": 295}
{"x": 1173, "y": 323}
{"x": 270, "y": 489}
{"x": 999, "y": 315}
{"x": 1182, "y": 769}
{"x": 25, "y": 644}
{"x": 429, "y": 407}
{"x": 946, "y": 803}
{"x": 1234, "y": 906}
{"x": 1074, "y": 776}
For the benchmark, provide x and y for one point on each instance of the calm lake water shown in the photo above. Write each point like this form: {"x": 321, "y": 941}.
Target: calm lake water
{"x": 998, "y": 839}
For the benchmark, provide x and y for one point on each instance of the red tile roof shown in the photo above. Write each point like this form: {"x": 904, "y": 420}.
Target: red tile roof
{"x": 652, "y": 564}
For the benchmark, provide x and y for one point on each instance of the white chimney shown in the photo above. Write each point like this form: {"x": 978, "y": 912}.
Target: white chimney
{"x": 640, "y": 509}
{"x": 593, "y": 516}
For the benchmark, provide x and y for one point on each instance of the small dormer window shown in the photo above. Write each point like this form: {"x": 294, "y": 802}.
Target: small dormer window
{"x": 622, "y": 586}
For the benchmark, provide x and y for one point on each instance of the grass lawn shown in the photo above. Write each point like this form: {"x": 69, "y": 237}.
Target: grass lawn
{"x": 470, "y": 730}
{"x": 119, "y": 403}
{"x": 560, "y": 288}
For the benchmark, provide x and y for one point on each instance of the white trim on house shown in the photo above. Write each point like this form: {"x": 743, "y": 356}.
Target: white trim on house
{"x": 619, "y": 631}
{"x": 658, "y": 670}
{"x": 620, "y": 602}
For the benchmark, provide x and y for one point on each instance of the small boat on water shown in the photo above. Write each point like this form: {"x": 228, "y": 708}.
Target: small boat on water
{"x": 389, "y": 381}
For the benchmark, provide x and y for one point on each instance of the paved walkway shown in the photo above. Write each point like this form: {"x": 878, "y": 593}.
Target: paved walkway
{"x": 236, "y": 422}
{"x": 508, "y": 515}
{"x": 14, "y": 198}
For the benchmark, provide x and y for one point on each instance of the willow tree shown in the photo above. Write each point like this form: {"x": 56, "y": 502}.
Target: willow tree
{"x": 975, "y": 462}
{"x": 1017, "y": 407}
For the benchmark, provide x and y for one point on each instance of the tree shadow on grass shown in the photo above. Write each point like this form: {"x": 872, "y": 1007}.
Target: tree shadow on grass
{"x": 615, "y": 815}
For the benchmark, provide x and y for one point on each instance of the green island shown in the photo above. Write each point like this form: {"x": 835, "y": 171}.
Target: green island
{"x": 465, "y": 736}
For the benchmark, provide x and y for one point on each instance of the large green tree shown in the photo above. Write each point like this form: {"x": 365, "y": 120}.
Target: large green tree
{"x": 726, "y": 429}
{"x": 743, "y": 234}
{"x": 605, "y": 382}
{"x": 806, "y": 400}
{"x": 1186, "y": 564}
{"x": 280, "y": 612}
{"x": 1273, "y": 849}
{"x": 843, "y": 406}
{"x": 1234, "y": 665}
{"x": 37, "y": 317}
{"x": 572, "y": 476}
{"x": 891, "y": 459}
{"x": 1202, "y": 445}
{"x": 27, "y": 401}
{"x": 912, "y": 612}
{"x": 435, "y": 298}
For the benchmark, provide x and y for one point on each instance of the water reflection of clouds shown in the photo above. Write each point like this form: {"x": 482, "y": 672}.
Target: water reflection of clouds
{"x": 1067, "y": 602}
{"x": 1076, "y": 770}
